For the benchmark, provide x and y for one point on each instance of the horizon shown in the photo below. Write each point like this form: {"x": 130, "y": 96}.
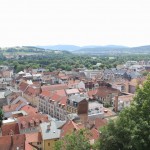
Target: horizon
{"x": 75, "y": 22}
{"x": 82, "y": 46}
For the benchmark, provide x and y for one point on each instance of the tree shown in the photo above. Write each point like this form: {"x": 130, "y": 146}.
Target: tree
{"x": 131, "y": 131}
{"x": 78, "y": 140}
{"x": 1, "y": 117}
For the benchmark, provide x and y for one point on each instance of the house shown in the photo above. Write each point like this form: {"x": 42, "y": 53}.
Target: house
{"x": 50, "y": 133}
{"x": 31, "y": 123}
{"x": 77, "y": 104}
{"x": 103, "y": 94}
{"x": 121, "y": 86}
{"x": 137, "y": 68}
{"x": 94, "y": 135}
{"x": 53, "y": 104}
{"x": 130, "y": 63}
{"x": 9, "y": 109}
{"x": 123, "y": 101}
{"x": 108, "y": 74}
{"x": 54, "y": 87}
{"x": 133, "y": 84}
{"x": 33, "y": 141}
{"x": 95, "y": 110}
{"x": 70, "y": 92}
{"x": 31, "y": 93}
{"x": 10, "y": 129}
{"x": 29, "y": 109}
{"x": 69, "y": 127}
{"x": 96, "y": 123}
{"x": 12, "y": 142}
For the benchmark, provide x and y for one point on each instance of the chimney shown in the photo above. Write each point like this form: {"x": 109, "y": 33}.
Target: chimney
{"x": 116, "y": 104}
{"x": 49, "y": 126}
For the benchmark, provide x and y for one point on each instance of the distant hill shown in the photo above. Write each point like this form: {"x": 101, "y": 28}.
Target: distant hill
{"x": 90, "y": 49}
{"x": 74, "y": 48}
{"x": 61, "y": 47}
{"x": 100, "y": 49}
{"x": 114, "y": 50}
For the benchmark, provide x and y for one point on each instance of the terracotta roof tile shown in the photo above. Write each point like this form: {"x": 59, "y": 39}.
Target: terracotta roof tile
{"x": 54, "y": 87}
{"x": 29, "y": 109}
{"x": 32, "y": 137}
{"x": 69, "y": 127}
{"x": 23, "y": 85}
{"x": 11, "y": 128}
{"x": 25, "y": 121}
{"x": 94, "y": 134}
{"x": 61, "y": 92}
{"x": 12, "y": 142}
{"x": 12, "y": 107}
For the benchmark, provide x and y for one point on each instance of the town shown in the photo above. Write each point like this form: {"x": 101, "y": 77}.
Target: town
{"x": 39, "y": 107}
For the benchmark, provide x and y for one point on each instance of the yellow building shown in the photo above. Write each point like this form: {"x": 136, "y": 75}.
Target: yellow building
{"x": 50, "y": 133}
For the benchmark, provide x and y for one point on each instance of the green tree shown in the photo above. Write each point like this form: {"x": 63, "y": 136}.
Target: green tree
{"x": 131, "y": 131}
{"x": 1, "y": 117}
{"x": 78, "y": 140}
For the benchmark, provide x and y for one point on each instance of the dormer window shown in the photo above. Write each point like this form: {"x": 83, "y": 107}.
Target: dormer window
{"x": 32, "y": 123}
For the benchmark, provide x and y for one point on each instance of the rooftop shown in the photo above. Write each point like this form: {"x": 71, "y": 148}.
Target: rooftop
{"x": 50, "y": 130}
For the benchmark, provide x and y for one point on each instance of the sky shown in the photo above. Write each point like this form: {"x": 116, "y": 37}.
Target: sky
{"x": 74, "y": 22}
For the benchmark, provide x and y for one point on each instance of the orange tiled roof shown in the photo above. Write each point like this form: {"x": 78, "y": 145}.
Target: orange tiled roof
{"x": 34, "y": 119}
{"x": 32, "y": 90}
{"x": 99, "y": 123}
{"x": 32, "y": 137}
{"x": 91, "y": 93}
{"x": 23, "y": 85}
{"x": 94, "y": 134}
{"x": 12, "y": 107}
{"x": 12, "y": 142}
{"x": 69, "y": 127}
{"x": 11, "y": 128}
{"x": 54, "y": 87}
{"x": 61, "y": 92}
{"x": 104, "y": 91}
{"x": 29, "y": 109}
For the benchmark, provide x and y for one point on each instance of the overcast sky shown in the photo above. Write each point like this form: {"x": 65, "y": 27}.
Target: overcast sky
{"x": 77, "y": 22}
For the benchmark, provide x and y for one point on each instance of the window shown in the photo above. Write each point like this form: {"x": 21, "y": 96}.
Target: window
{"x": 48, "y": 144}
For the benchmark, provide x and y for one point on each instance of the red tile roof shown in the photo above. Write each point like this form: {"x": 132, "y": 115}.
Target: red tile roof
{"x": 29, "y": 109}
{"x": 12, "y": 142}
{"x": 92, "y": 93}
{"x": 12, "y": 107}
{"x": 63, "y": 101}
{"x": 10, "y": 129}
{"x": 94, "y": 134}
{"x": 46, "y": 93}
{"x": 55, "y": 97}
{"x": 102, "y": 92}
{"x": 61, "y": 92}
{"x": 32, "y": 90}
{"x": 98, "y": 123}
{"x": 23, "y": 85}
{"x": 32, "y": 137}
{"x": 69, "y": 127}
{"x": 54, "y": 87}
{"x": 34, "y": 119}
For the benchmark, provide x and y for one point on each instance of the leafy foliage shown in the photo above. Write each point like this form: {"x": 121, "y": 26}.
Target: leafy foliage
{"x": 131, "y": 131}
{"x": 1, "y": 117}
{"x": 76, "y": 141}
